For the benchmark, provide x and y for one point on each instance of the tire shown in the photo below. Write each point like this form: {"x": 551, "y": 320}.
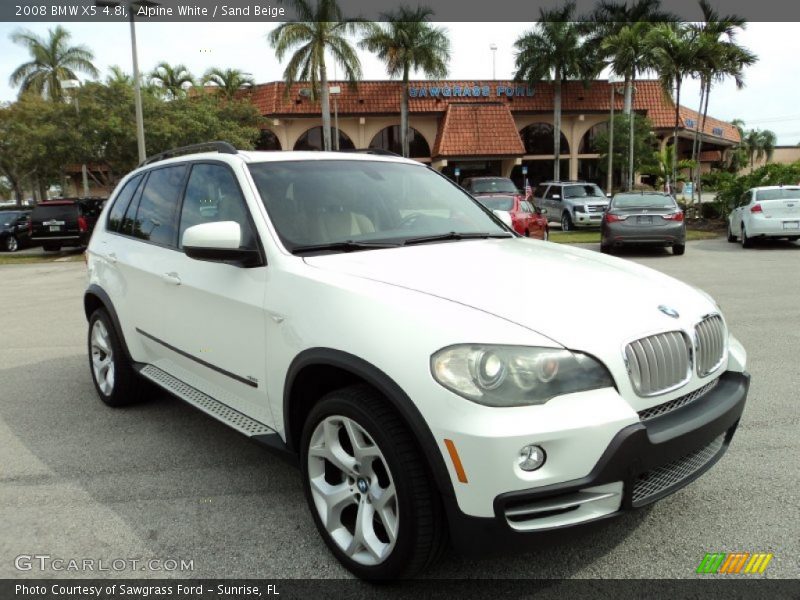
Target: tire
{"x": 731, "y": 237}
{"x": 527, "y": 233}
{"x": 605, "y": 248}
{"x": 679, "y": 249}
{"x": 546, "y": 234}
{"x": 566, "y": 222}
{"x": 11, "y": 244}
{"x": 746, "y": 241}
{"x": 414, "y": 510}
{"x": 51, "y": 247}
{"x": 114, "y": 378}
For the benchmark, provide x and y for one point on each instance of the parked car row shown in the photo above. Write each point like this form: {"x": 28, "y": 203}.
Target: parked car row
{"x": 501, "y": 196}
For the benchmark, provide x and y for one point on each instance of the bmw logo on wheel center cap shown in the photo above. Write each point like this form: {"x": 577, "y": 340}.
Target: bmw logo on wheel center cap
{"x": 363, "y": 486}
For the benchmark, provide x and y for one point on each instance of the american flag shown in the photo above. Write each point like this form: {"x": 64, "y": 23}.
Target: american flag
{"x": 528, "y": 189}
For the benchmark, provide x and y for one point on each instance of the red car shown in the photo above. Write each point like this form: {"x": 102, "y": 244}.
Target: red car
{"x": 519, "y": 213}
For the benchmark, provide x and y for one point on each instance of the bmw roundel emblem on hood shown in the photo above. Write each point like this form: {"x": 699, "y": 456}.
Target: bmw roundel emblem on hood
{"x": 670, "y": 312}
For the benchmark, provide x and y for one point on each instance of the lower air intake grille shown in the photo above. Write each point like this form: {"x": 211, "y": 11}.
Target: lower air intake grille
{"x": 666, "y": 407}
{"x": 662, "y": 478}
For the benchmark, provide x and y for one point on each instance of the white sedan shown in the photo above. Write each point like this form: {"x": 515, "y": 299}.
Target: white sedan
{"x": 766, "y": 212}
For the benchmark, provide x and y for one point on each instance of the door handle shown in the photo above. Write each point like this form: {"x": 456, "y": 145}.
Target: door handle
{"x": 172, "y": 278}
{"x": 112, "y": 258}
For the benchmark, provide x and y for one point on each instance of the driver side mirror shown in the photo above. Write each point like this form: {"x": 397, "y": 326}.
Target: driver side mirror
{"x": 219, "y": 242}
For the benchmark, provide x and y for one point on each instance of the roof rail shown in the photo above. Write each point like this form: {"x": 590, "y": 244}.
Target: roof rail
{"x": 221, "y": 147}
{"x": 376, "y": 151}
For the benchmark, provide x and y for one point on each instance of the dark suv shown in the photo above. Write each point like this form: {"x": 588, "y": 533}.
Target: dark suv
{"x": 64, "y": 222}
{"x": 14, "y": 229}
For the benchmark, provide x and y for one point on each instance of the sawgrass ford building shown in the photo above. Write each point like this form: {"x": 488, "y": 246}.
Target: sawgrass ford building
{"x": 480, "y": 127}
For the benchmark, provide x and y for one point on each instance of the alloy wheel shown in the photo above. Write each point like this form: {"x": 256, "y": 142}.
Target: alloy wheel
{"x": 102, "y": 358}
{"x": 353, "y": 490}
{"x": 11, "y": 244}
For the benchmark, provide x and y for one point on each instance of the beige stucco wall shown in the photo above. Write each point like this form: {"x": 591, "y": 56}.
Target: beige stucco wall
{"x": 783, "y": 155}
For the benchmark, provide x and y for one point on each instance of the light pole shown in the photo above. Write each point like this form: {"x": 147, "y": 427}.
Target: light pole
{"x": 74, "y": 84}
{"x": 493, "y": 48}
{"x": 612, "y": 82}
{"x": 137, "y": 87}
{"x": 335, "y": 90}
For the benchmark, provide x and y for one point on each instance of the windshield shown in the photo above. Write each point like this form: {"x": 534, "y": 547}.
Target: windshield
{"x": 313, "y": 203}
{"x": 583, "y": 191}
{"x": 643, "y": 201}
{"x": 779, "y": 194}
{"x": 497, "y": 184}
{"x": 497, "y": 202}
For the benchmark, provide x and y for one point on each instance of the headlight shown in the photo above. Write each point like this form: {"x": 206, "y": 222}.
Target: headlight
{"x": 580, "y": 208}
{"x": 516, "y": 375}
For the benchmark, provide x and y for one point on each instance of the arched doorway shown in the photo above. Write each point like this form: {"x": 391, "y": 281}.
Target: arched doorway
{"x": 267, "y": 140}
{"x": 312, "y": 140}
{"x": 538, "y": 139}
{"x": 388, "y": 138}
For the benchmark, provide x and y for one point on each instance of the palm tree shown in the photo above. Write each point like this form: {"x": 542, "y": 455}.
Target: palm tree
{"x": 229, "y": 81}
{"x": 674, "y": 48}
{"x": 553, "y": 49}
{"x": 53, "y": 61}
{"x": 719, "y": 57}
{"x": 759, "y": 144}
{"x": 117, "y": 76}
{"x": 661, "y": 167}
{"x": 609, "y": 19}
{"x": 318, "y": 29}
{"x": 171, "y": 79}
{"x": 409, "y": 42}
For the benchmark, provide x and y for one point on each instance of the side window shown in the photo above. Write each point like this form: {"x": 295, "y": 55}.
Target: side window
{"x": 554, "y": 189}
{"x": 540, "y": 190}
{"x": 121, "y": 203}
{"x": 156, "y": 217}
{"x": 213, "y": 194}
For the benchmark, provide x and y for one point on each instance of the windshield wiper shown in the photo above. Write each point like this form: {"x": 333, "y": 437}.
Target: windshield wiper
{"x": 454, "y": 236}
{"x": 345, "y": 246}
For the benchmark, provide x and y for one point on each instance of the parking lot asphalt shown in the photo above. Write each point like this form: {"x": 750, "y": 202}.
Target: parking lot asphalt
{"x": 162, "y": 480}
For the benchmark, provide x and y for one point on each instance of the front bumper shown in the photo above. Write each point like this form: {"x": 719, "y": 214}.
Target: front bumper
{"x": 583, "y": 219}
{"x": 643, "y": 463}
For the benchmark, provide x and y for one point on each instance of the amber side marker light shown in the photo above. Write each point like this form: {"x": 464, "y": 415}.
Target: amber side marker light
{"x": 451, "y": 448}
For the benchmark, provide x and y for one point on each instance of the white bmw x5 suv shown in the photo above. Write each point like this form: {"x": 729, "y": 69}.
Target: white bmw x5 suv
{"x": 366, "y": 318}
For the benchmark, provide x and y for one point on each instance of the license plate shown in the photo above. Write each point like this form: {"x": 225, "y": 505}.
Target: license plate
{"x": 55, "y": 227}
{"x": 644, "y": 220}
{"x": 791, "y": 224}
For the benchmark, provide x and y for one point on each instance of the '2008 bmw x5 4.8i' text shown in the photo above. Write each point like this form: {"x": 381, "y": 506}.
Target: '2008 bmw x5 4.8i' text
{"x": 365, "y": 315}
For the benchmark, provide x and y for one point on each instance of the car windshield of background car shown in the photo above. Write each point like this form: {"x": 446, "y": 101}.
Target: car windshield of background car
{"x": 583, "y": 191}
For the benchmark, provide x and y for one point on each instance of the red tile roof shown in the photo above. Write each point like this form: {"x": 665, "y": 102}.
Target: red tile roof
{"x": 383, "y": 97}
{"x": 478, "y": 129}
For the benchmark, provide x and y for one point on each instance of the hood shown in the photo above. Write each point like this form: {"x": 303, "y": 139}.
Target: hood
{"x": 581, "y": 299}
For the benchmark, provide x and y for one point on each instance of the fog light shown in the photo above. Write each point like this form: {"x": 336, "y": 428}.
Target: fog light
{"x": 531, "y": 457}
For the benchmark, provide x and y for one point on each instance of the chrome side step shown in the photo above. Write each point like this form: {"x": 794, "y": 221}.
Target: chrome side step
{"x": 210, "y": 406}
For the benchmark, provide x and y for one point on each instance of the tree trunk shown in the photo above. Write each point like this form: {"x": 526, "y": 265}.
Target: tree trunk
{"x": 557, "y": 126}
{"x": 404, "y": 114}
{"x": 700, "y": 141}
{"x": 18, "y": 193}
{"x": 632, "y": 118}
{"x": 696, "y": 144}
{"x": 628, "y": 105}
{"x": 326, "y": 108}
{"x": 675, "y": 132}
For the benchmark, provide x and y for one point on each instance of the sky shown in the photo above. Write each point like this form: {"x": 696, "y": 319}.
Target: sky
{"x": 769, "y": 100}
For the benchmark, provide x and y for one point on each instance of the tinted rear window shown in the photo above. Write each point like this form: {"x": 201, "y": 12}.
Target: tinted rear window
{"x": 156, "y": 216}
{"x": 59, "y": 212}
{"x": 583, "y": 191}
{"x": 779, "y": 194}
{"x": 643, "y": 201}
